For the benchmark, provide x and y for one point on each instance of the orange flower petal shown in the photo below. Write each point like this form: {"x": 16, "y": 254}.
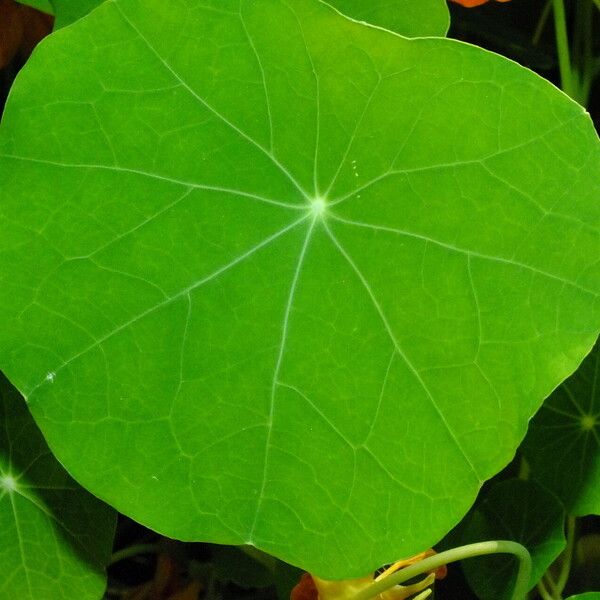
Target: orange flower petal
{"x": 305, "y": 589}
{"x": 472, "y": 3}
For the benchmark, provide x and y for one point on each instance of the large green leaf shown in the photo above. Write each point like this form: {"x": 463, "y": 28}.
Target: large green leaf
{"x": 406, "y": 17}
{"x": 55, "y": 538}
{"x": 521, "y": 511}
{"x": 270, "y": 276}
{"x": 563, "y": 442}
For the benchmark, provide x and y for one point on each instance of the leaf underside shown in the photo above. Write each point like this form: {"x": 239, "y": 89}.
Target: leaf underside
{"x": 262, "y": 285}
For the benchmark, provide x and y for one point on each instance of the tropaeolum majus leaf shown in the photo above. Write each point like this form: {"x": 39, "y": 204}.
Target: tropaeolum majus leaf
{"x": 69, "y": 11}
{"x": 563, "y": 442}
{"x": 42, "y": 5}
{"x": 406, "y": 17}
{"x": 55, "y": 538}
{"x": 270, "y": 276}
{"x": 522, "y": 511}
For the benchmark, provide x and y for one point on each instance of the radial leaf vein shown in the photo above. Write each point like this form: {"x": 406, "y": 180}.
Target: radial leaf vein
{"x": 399, "y": 348}
{"x": 276, "y": 370}
{"x": 187, "y": 184}
{"x": 210, "y": 108}
{"x": 237, "y": 260}
{"x": 458, "y": 249}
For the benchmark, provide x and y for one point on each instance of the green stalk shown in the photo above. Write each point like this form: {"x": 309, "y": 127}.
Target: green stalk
{"x": 565, "y": 567}
{"x": 543, "y": 591}
{"x": 562, "y": 47}
{"x": 131, "y": 551}
{"x": 432, "y": 563}
{"x": 535, "y": 40}
{"x": 551, "y": 585}
{"x": 587, "y": 64}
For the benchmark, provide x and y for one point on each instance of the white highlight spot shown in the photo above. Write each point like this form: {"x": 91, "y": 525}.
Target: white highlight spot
{"x": 318, "y": 206}
{"x": 50, "y": 376}
{"x": 8, "y": 482}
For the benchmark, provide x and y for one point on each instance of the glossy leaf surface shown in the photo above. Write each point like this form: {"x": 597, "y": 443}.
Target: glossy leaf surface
{"x": 520, "y": 511}
{"x": 563, "y": 442}
{"x": 55, "y": 538}
{"x": 249, "y": 303}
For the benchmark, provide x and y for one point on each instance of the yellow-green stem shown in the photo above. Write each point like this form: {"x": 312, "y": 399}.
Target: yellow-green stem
{"x": 443, "y": 558}
{"x": 562, "y": 47}
{"x": 131, "y": 551}
{"x": 565, "y": 567}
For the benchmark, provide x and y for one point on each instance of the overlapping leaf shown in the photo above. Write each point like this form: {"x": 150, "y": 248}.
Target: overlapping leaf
{"x": 521, "y": 511}
{"x": 43, "y": 5}
{"x": 55, "y": 538}
{"x": 69, "y": 11}
{"x": 563, "y": 441}
{"x": 406, "y": 17}
{"x": 270, "y": 276}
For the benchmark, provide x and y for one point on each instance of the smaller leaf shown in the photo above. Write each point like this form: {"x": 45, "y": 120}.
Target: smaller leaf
{"x": 406, "y": 17}
{"x": 521, "y": 511}
{"x": 586, "y": 596}
{"x": 69, "y": 11}
{"x": 43, "y": 5}
{"x": 55, "y": 537}
{"x": 562, "y": 445}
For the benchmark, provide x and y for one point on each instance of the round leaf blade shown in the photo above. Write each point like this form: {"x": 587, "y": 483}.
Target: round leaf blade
{"x": 287, "y": 315}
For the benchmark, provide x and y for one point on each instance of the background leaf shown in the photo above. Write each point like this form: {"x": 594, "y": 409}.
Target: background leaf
{"x": 562, "y": 445}
{"x": 55, "y": 538}
{"x": 43, "y": 5}
{"x": 521, "y": 511}
{"x": 249, "y": 303}
{"x": 406, "y": 17}
{"x": 69, "y": 11}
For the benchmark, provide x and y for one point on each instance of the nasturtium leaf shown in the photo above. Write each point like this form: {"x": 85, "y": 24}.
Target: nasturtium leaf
{"x": 55, "y": 538}
{"x": 271, "y": 276}
{"x": 406, "y": 17}
{"x": 563, "y": 442}
{"x": 586, "y": 596}
{"x": 69, "y": 11}
{"x": 43, "y": 5}
{"x": 521, "y": 511}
